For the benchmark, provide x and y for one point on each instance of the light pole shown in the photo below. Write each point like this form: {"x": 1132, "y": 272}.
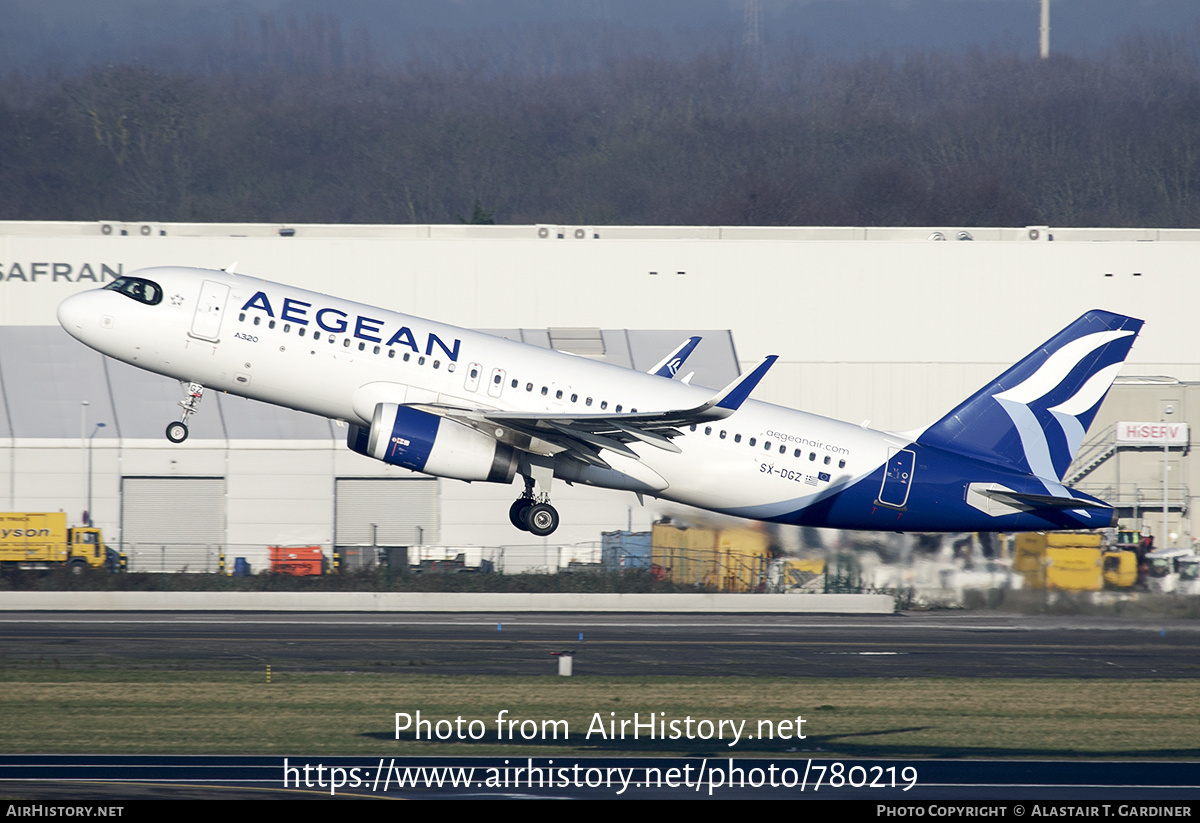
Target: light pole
{"x": 1044, "y": 31}
{"x": 87, "y": 520}
{"x": 1167, "y": 412}
{"x": 83, "y": 459}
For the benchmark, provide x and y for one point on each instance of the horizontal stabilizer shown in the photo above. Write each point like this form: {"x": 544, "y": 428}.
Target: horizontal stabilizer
{"x": 1046, "y": 501}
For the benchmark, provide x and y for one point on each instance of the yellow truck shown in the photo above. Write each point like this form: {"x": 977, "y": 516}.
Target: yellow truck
{"x": 1072, "y": 561}
{"x": 42, "y": 540}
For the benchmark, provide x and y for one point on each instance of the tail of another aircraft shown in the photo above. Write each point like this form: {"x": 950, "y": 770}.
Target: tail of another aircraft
{"x": 1034, "y": 416}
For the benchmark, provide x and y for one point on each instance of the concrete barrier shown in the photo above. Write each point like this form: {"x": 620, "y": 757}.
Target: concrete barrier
{"x": 439, "y": 602}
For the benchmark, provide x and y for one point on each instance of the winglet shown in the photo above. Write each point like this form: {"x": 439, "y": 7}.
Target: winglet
{"x": 670, "y": 365}
{"x": 730, "y": 398}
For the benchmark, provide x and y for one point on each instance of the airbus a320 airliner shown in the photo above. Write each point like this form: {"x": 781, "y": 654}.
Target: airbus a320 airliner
{"x": 455, "y": 403}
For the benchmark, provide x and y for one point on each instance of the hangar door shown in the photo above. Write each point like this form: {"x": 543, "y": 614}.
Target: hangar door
{"x": 404, "y": 512}
{"x": 173, "y": 524}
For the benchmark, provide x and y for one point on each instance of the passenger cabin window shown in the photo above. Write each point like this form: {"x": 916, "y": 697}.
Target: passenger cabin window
{"x": 143, "y": 291}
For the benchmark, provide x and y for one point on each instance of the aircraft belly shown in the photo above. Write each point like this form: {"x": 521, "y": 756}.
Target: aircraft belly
{"x": 370, "y": 395}
{"x": 317, "y": 385}
{"x": 754, "y": 482}
{"x": 626, "y": 474}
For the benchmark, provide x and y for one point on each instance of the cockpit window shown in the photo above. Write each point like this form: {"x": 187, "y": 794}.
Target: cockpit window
{"x": 143, "y": 291}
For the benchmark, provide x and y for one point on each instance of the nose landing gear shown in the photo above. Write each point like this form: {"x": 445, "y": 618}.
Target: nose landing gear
{"x": 177, "y": 431}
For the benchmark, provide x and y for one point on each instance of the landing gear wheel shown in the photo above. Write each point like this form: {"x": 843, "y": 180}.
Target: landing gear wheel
{"x": 516, "y": 512}
{"x": 541, "y": 519}
{"x": 177, "y": 432}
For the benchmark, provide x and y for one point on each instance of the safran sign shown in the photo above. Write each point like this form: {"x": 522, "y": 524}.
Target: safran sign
{"x": 1153, "y": 434}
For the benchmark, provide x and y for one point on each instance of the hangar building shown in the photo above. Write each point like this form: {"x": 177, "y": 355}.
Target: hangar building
{"x": 894, "y": 326}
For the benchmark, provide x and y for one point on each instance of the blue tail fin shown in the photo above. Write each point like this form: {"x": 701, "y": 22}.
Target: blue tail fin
{"x": 1034, "y": 416}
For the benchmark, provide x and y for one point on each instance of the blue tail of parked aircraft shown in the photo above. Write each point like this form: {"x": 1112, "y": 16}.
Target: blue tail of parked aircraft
{"x": 1033, "y": 417}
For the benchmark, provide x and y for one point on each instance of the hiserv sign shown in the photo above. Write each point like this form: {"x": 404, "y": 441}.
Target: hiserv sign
{"x": 1153, "y": 433}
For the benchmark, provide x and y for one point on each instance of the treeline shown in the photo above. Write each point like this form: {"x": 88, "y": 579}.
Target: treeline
{"x": 310, "y": 134}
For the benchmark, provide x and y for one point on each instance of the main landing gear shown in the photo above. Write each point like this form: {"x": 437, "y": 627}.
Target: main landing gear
{"x": 177, "y": 431}
{"x": 533, "y": 513}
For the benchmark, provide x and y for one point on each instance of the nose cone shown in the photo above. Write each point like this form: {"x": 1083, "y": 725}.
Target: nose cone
{"x": 80, "y": 315}
{"x": 71, "y": 314}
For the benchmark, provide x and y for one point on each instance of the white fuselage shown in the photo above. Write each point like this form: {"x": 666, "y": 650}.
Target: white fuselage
{"x": 336, "y": 358}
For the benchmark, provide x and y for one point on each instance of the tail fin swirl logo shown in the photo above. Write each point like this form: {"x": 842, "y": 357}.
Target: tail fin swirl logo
{"x": 1034, "y": 416}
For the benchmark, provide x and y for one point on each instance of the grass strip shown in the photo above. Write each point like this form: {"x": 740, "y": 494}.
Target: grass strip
{"x": 221, "y": 712}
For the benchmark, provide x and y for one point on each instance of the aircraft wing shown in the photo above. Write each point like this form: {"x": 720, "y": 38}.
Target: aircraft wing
{"x": 585, "y": 435}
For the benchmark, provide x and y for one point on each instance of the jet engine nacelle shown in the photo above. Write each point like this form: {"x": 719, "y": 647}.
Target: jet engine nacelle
{"x": 424, "y": 442}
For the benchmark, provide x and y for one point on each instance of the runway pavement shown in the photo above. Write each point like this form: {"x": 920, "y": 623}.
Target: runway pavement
{"x": 905, "y": 645}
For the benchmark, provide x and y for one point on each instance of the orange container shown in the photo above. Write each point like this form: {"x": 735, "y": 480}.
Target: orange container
{"x": 297, "y": 560}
